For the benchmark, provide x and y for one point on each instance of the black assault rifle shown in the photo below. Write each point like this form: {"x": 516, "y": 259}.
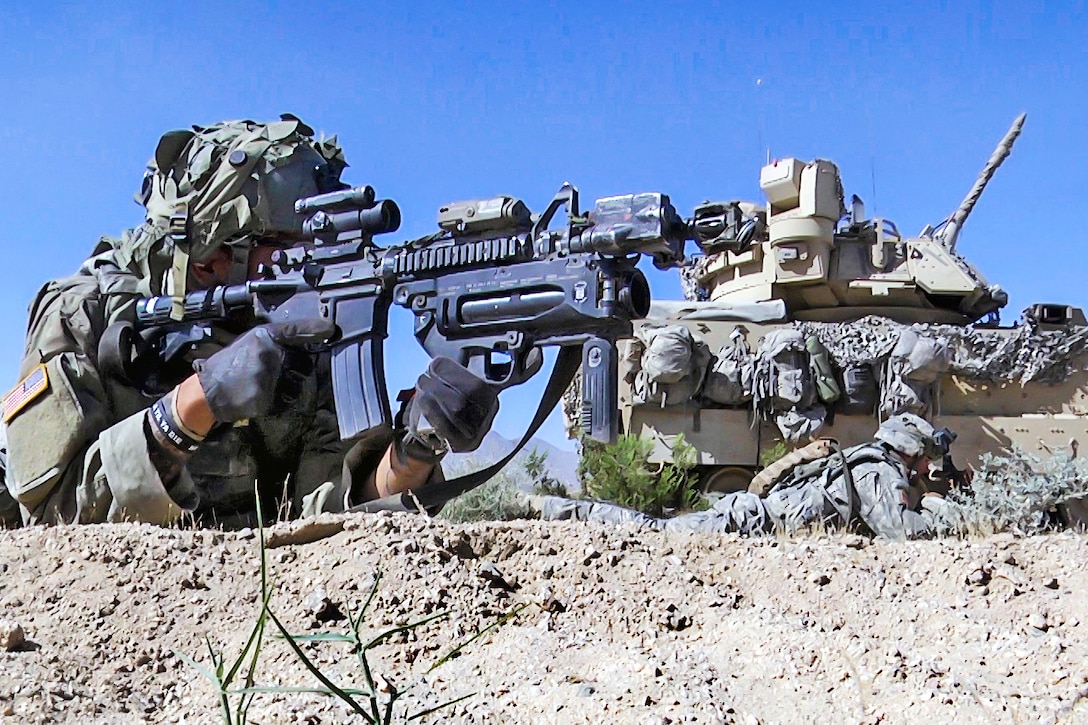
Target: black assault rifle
{"x": 490, "y": 290}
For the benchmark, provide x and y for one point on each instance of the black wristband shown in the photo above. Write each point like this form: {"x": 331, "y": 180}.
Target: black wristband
{"x": 426, "y": 449}
{"x": 162, "y": 419}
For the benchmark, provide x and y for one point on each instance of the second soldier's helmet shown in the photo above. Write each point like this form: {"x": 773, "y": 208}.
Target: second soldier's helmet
{"x": 236, "y": 182}
{"x": 909, "y": 434}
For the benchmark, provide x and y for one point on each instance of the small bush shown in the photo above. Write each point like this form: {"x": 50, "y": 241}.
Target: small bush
{"x": 537, "y": 473}
{"x": 1018, "y": 492}
{"x": 621, "y": 473}
{"x": 772, "y": 453}
{"x": 500, "y": 499}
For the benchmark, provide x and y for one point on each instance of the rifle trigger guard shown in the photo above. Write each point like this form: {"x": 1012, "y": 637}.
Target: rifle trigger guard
{"x": 521, "y": 366}
{"x": 530, "y": 364}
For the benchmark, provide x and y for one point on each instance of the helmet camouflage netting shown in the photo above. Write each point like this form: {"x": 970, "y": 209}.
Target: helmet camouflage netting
{"x": 237, "y": 179}
{"x": 907, "y": 433}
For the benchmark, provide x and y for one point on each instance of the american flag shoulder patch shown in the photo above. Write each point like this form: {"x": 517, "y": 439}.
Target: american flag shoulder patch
{"x": 23, "y": 394}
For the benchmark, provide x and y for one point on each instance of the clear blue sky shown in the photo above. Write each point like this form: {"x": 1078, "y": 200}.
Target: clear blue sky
{"x": 441, "y": 101}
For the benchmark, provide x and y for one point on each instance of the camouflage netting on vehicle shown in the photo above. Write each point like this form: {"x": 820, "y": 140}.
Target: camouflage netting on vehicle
{"x": 907, "y": 376}
{"x": 690, "y": 273}
{"x": 572, "y": 406}
{"x": 1022, "y": 354}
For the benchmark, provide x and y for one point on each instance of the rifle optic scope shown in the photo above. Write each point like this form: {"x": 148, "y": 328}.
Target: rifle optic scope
{"x": 329, "y": 222}
{"x": 359, "y": 197}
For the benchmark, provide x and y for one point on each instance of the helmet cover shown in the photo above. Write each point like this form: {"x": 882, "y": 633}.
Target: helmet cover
{"x": 237, "y": 180}
{"x": 909, "y": 434}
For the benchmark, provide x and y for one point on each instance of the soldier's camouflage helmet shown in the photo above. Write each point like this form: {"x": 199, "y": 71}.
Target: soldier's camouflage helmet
{"x": 909, "y": 434}
{"x": 235, "y": 182}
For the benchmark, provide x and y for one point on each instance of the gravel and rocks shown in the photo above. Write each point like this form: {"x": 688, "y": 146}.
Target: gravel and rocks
{"x": 613, "y": 624}
{"x": 12, "y": 636}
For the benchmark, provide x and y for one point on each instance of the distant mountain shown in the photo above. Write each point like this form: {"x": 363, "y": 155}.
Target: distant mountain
{"x": 562, "y": 465}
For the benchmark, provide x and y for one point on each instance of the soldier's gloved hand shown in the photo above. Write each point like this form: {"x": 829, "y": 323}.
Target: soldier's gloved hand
{"x": 240, "y": 381}
{"x": 452, "y": 404}
{"x": 962, "y": 478}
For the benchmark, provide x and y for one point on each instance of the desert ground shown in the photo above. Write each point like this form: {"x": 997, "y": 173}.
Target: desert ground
{"x": 610, "y": 624}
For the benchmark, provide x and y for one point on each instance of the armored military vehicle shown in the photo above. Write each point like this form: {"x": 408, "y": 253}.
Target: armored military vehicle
{"x": 805, "y": 318}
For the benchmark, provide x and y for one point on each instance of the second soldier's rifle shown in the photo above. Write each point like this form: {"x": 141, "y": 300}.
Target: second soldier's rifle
{"x": 490, "y": 290}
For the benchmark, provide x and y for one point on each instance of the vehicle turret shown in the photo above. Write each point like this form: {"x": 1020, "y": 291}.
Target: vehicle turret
{"x": 828, "y": 264}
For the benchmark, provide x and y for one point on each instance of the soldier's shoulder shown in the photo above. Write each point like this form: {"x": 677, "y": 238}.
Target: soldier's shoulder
{"x": 69, "y": 313}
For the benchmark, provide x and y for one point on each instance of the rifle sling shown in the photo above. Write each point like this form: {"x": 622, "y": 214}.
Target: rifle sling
{"x": 430, "y": 498}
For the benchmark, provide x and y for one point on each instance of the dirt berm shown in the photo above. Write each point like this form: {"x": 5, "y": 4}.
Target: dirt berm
{"x": 620, "y": 625}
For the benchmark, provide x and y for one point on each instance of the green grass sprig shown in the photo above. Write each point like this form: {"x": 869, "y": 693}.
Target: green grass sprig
{"x": 366, "y": 702}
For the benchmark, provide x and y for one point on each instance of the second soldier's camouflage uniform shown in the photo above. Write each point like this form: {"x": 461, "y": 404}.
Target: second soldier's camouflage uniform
{"x": 874, "y": 489}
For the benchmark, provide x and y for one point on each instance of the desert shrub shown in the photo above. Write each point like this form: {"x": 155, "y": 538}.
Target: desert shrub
{"x": 772, "y": 453}
{"x": 1018, "y": 492}
{"x": 621, "y": 473}
{"x": 500, "y": 499}
{"x": 615, "y": 472}
{"x": 537, "y": 472}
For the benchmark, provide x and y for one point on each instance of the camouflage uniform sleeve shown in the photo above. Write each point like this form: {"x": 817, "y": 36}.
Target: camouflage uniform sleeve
{"x": 332, "y": 471}
{"x": 329, "y": 469}
{"x": 557, "y": 508}
{"x": 942, "y": 517}
{"x": 78, "y": 452}
{"x": 882, "y": 502}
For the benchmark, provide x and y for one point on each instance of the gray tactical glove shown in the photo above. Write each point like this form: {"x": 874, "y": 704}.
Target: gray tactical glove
{"x": 241, "y": 380}
{"x": 452, "y": 404}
